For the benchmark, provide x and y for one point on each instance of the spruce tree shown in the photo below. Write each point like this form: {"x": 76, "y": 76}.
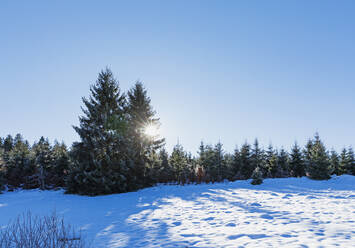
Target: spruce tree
{"x": 283, "y": 162}
{"x": 343, "y": 163}
{"x": 142, "y": 123}
{"x": 178, "y": 160}
{"x": 101, "y": 164}
{"x": 43, "y": 163}
{"x": 350, "y": 169}
{"x": 297, "y": 165}
{"x": 165, "y": 173}
{"x": 246, "y": 166}
{"x": 334, "y": 162}
{"x": 60, "y": 167}
{"x": 318, "y": 165}
{"x": 257, "y": 157}
{"x": 218, "y": 168}
{"x": 271, "y": 160}
{"x": 235, "y": 167}
{"x": 19, "y": 164}
{"x": 257, "y": 176}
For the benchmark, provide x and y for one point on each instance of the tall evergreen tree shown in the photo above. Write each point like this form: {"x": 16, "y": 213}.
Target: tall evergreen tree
{"x": 218, "y": 168}
{"x": 19, "y": 165}
{"x": 272, "y": 168}
{"x": 350, "y": 169}
{"x": 334, "y": 162}
{"x": 178, "y": 160}
{"x": 60, "y": 167}
{"x": 235, "y": 166}
{"x": 257, "y": 157}
{"x": 283, "y": 162}
{"x": 100, "y": 161}
{"x": 142, "y": 128}
{"x": 343, "y": 163}
{"x": 297, "y": 165}
{"x": 318, "y": 165}
{"x": 246, "y": 166}
{"x": 43, "y": 163}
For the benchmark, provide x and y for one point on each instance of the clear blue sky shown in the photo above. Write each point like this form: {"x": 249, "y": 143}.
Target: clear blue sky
{"x": 215, "y": 70}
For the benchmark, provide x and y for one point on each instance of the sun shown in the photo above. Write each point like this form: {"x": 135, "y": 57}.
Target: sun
{"x": 151, "y": 130}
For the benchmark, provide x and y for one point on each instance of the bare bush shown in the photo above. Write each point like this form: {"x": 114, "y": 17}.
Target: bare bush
{"x": 29, "y": 231}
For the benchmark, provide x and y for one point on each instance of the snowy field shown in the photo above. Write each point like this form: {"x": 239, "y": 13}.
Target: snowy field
{"x": 279, "y": 213}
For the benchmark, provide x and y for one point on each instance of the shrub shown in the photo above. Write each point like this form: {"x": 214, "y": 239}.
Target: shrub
{"x": 29, "y": 231}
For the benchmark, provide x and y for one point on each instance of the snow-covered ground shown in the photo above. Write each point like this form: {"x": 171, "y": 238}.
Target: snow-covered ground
{"x": 292, "y": 212}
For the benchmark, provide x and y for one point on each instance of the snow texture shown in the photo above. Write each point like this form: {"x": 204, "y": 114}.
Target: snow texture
{"x": 290, "y": 212}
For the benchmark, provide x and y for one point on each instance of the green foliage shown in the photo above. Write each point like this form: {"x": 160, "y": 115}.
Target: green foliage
{"x": 18, "y": 163}
{"x": 257, "y": 176}
{"x": 297, "y": 165}
{"x": 178, "y": 161}
{"x": 334, "y": 162}
{"x": 272, "y": 168}
{"x": 246, "y": 167}
{"x": 318, "y": 165}
{"x": 101, "y": 162}
{"x": 350, "y": 168}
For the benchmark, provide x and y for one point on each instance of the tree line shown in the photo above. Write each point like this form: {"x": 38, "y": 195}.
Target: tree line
{"x": 115, "y": 153}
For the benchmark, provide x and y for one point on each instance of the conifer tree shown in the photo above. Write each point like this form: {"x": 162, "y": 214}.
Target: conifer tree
{"x": 271, "y": 160}
{"x": 178, "y": 160}
{"x": 218, "y": 169}
{"x": 60, "y": 167}
{"x": 101, "y": 164}
{"x": 235, "y": 166}
{"x": 283, "y": 162}
{"x": 19, "y": 165}
{"x": 165, "y": 173}
{"x": 343, "y": 163}
{"x": 350, "y": 169}
{"x": 334, "y": 162}
{"x": 257, "y": 157}
{"x": 142, "y": 119}
{"x": 297, "y": 165}
{"x": 318, "y": 165}
{"x": 43, "y": 163}
{"x": 246, "y": 167}
{"x": 257, "y": 176}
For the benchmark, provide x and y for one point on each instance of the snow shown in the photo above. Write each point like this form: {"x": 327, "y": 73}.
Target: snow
{"x": 289, "y": 212}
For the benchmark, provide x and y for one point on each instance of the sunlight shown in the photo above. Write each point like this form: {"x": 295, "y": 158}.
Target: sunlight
{"x": 151, "y": 130}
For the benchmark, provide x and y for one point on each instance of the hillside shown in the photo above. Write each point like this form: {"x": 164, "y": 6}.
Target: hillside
{"x": 290, "y": 212}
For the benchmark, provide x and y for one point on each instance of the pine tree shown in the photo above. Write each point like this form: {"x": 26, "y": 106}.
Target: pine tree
{"x": 178, "y": 160}
{"x": 297, "y": 165}
{"x": 218, "y": 170}
{"x": 350, "y": 169}
{"x": 101, "y": 164}
{"x": 272, "y": 168}
{"x": 257, "y": 176}
{"x": 246, "y": 167}
{"x": 142, "y": 128}
{"x": 318, "y": 165}
{"x": 257, "y": 157}
{"x": 60, "y": 167}
{"x": 343, "y": 163}
{"x": 235, "y": 166}
{"x": 43, "y": 163}
{"x": 19, "y": 165}
{"x": 165, "y": 173}
{"x": 334, "y": 162}
{"x": 283, "y": 162}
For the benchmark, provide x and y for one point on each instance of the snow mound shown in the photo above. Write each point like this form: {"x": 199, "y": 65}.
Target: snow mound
{"x": 288, "y": 212}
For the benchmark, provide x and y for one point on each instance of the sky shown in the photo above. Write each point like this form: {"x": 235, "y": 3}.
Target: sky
{"x": 228, "y": 71}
